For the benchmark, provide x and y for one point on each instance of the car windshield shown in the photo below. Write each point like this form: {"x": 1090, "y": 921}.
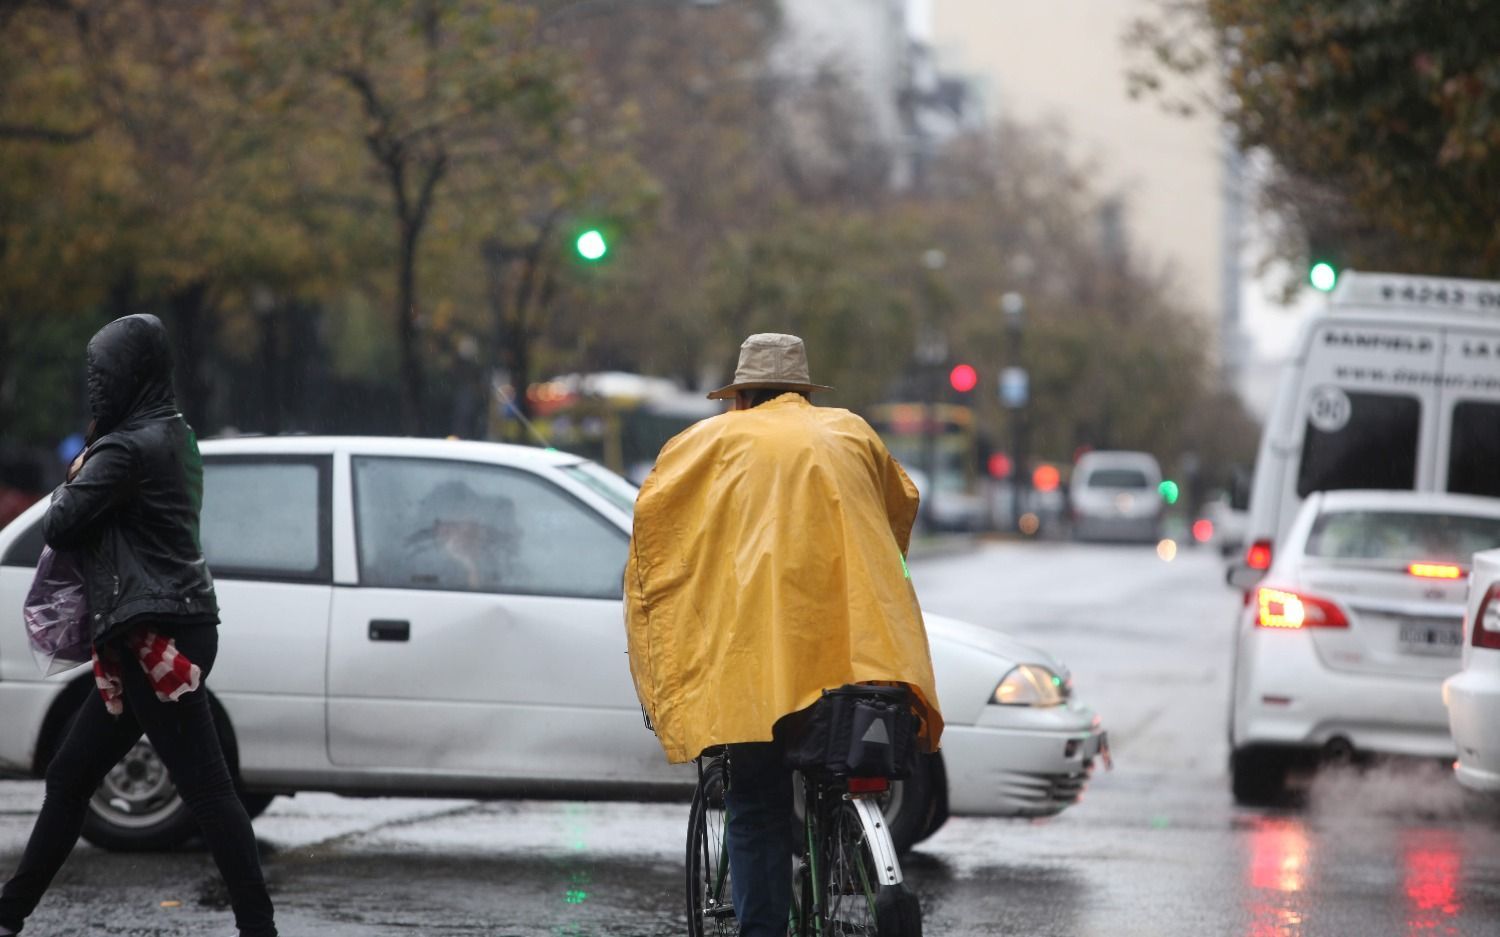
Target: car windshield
{"x": 602, "y": 481}
{"x": 1400, "y": 537}
{"x": 1118, "y": 478}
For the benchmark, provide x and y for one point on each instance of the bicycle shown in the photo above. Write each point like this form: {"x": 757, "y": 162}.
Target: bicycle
{"x": 846, "y": 878}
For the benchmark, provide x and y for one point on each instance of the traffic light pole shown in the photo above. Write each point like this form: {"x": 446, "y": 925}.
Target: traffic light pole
{"x": 1015, "y": 399}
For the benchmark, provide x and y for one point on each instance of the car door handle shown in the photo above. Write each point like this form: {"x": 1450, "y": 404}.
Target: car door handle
{"x": 387, "y": 629}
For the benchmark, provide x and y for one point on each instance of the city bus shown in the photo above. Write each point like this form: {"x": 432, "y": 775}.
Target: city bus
{"x": 940, "y": 440}
{"x": 618, "y": 419}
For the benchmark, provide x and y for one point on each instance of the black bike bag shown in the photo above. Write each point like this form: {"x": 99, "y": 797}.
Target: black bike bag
{"x": 854, "y": 731}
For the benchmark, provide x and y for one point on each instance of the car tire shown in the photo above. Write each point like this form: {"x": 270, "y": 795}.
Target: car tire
{"x": 910, "y": 806}
{"x": 137, "y": 809}
{"x": 1258, "y": 777}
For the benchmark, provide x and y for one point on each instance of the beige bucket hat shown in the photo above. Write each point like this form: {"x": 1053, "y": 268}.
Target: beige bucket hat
{"x": 770, "y": 360}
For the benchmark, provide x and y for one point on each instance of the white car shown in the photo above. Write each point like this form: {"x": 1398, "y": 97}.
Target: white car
{"x": 1114, "y": 495}
{"x": 1473, "y": 694}
{"x": 429, "y": 617}
{"x": 1342, "y": 647}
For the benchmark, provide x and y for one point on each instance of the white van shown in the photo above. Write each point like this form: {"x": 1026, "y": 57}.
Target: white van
{"x": 1115, "y": 495}
{"x": 1396, "y": 386}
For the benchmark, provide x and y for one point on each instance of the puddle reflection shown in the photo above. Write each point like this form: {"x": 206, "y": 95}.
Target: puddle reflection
{"x": 1433, "y": 862}
{"x": 1278, "y": 870}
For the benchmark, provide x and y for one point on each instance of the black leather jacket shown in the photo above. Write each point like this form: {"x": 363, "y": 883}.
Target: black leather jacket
{"x": 131, "y": 513}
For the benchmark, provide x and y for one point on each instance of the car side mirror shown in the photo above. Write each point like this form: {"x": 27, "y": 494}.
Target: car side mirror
{"x": 1242, "y": 576}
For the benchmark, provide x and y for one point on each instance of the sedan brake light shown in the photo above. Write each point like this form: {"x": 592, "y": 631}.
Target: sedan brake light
{"x": 1487, "y": 622}
{"x": 1258, "y": 556}
{"x": 1281, "y": 608}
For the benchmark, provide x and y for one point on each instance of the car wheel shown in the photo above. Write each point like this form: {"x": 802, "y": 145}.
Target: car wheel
{"x": 909, "y": 806}
{"x": 138, "y": 809}
{"x": 1258, "y": 777}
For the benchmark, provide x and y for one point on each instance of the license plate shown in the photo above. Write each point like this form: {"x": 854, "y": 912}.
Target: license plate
{"x": 1438, "y": 637}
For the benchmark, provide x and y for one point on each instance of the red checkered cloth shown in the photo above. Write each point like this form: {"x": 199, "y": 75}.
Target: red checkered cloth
{"x": 169, "y": 670}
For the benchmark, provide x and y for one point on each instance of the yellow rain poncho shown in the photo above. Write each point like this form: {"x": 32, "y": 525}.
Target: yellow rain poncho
{"x": 767, "y": 565}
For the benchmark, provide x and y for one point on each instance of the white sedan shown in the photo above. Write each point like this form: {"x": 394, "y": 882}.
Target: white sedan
{"x": 428, "y": 617}
{"x": 1473, "y": 694}
{"x": 1343, "y": 645}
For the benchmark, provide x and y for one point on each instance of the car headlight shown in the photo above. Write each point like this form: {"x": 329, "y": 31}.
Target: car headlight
{"x": 1031, "y": 685}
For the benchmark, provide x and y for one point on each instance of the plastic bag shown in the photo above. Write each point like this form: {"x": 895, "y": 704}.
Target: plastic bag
{"x": 57, "y": 614}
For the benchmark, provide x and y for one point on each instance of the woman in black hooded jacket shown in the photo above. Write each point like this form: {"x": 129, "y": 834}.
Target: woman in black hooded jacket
{"x": 129, "y": 514}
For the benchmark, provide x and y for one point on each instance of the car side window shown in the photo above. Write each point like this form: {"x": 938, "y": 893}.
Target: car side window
{"x": 1374, "y": 447}
{"x": 267, "y": 517}
{"x": 1474, "y": 451}
{"x": 470, "y": 527}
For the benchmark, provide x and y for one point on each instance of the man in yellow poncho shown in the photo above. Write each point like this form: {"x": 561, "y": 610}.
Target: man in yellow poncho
{"x": 767, "y": 565}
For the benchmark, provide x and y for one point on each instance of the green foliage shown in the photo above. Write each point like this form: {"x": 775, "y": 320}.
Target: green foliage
{"x": 357, "y": 215}
{"x": 1383, "y": 116}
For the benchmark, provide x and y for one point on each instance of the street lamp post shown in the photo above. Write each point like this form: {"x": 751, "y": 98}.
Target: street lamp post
{"x": 1014, "y": 394}
{"x": 932, "y": 352}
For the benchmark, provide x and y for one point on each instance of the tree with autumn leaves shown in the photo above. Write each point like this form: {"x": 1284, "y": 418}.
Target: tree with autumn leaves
{"x": 358, "y": 216}
{"x": 1382, "y": 118}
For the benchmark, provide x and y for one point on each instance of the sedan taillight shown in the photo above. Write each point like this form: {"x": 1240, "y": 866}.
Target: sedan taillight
{"x": 1487, "y": 622}
{"x": 1282, "y": 608}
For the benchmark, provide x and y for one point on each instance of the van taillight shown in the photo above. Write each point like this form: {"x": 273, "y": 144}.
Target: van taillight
{"x": 1281, "y": 608}
{"x": 1487, "y": 622}
{"x": 1259, "y": 555}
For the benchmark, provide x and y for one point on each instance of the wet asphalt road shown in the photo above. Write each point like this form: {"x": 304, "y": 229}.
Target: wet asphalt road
{"x": 1155, "y": 848}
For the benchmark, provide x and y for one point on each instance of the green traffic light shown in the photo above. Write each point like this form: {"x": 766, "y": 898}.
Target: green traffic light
{"x": 591, "y": 245}
{"x": 1168, "y": 491}
{"x": 1323, "y": 276}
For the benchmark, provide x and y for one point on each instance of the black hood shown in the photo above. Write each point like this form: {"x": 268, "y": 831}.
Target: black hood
{"x": 130, "y": 373}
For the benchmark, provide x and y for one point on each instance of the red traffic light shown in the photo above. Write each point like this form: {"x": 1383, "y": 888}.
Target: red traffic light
{"x": 999, "y": 465}
{"x": 1046, "y": 477}
{"x": 963, "y": 377}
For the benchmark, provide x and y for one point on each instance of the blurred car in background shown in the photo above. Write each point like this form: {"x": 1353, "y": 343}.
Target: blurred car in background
{"x": 1114, "y": 496}
{"x": 1473, "y": 694}
{"x": 1227, "y": 532}
{"x": 411, "y": 617}
{"x": 1342, "y": 647}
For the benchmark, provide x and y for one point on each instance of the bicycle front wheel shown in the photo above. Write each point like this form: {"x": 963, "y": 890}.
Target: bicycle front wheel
{"x": 710, "y": 909}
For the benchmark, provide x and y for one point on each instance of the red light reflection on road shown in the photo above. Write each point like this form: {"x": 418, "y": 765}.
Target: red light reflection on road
{"x": 1278, "y": 875}
{"x": 1433, "y": 864}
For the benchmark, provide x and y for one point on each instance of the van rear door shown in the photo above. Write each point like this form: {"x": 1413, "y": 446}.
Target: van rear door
{"x": 1364, "y": 410}
{"x": 1469, "y": 429}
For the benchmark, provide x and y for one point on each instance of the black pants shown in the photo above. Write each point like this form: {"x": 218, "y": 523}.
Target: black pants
{"x": 185, "y": 739}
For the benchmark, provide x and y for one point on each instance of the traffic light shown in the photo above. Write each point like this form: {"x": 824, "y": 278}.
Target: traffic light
{"x": 591, "y": 245}
{"x": 1323, "y": 276}
{"x": 1046, "y": 477}
{"x": 963, "y": 378}
{"x": 1169, "y": 491}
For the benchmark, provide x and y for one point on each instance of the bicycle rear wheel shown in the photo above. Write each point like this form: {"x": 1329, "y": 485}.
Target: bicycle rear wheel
{"x": 851, "y": 881}
{"x": 710, "y": 909}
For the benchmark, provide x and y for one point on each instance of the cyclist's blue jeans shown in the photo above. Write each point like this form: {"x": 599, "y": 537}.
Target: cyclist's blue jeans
{"x": 759, "y": 801}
